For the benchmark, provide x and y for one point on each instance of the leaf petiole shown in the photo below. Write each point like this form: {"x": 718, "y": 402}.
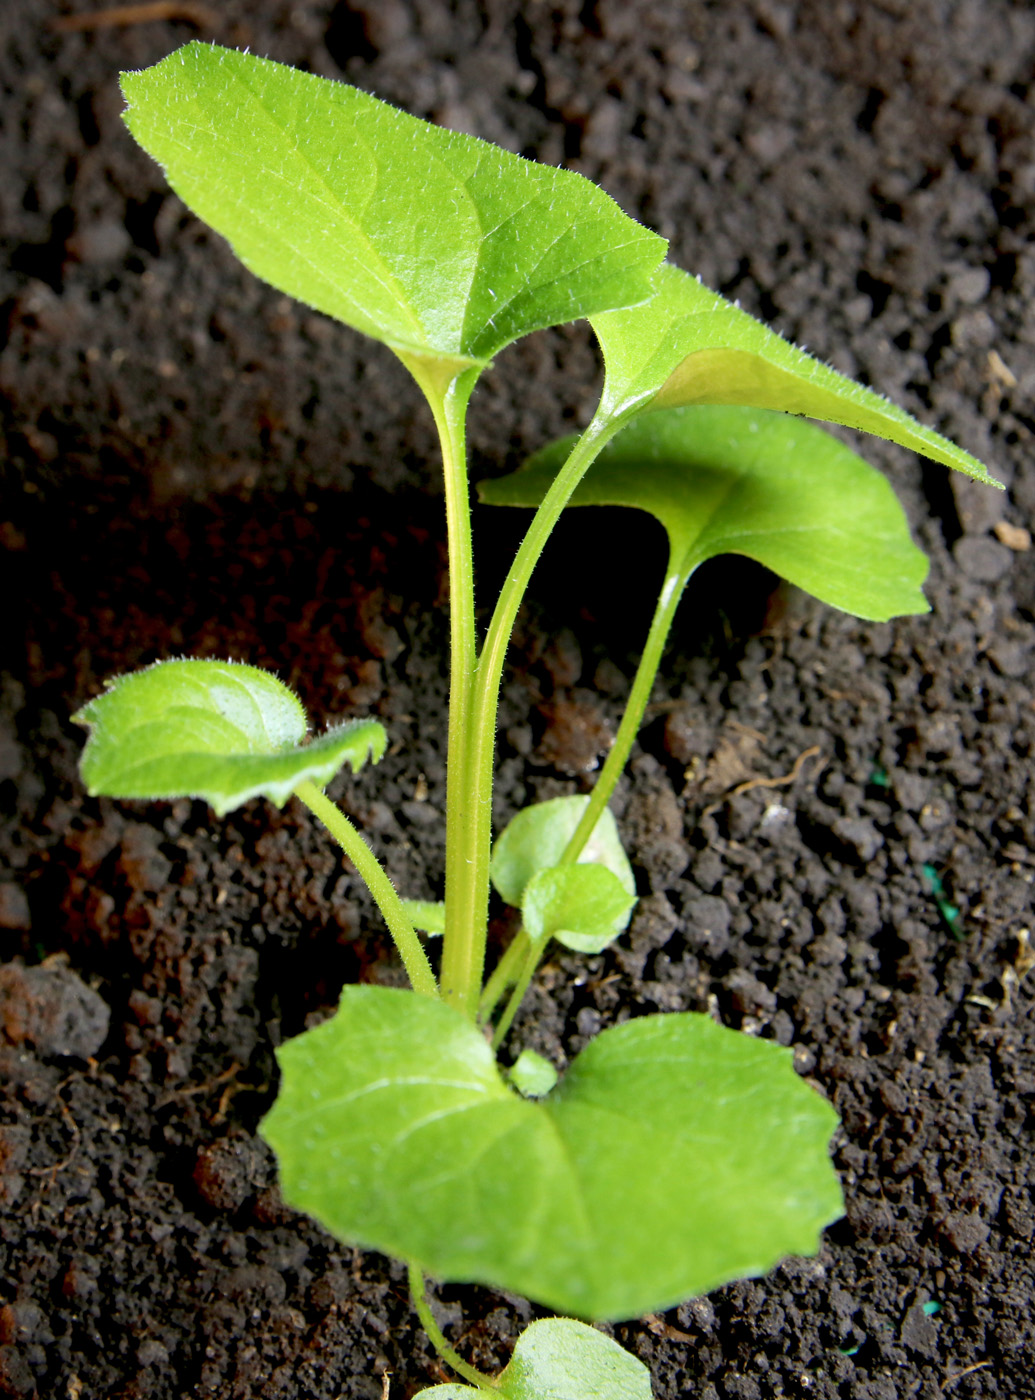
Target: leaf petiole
{"x": 461, "y": 967}
{"x": 478, "y": 766}
{"x": 423, "y": 1309}
{"x": 415, "y": 960}
{"x": 517, "y": 966}
{"x": 534, "y": 952}
{"x": 504, "y": 975}
{"x": 639, "y": 697}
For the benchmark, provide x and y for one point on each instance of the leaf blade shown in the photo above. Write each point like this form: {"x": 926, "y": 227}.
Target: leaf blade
{"x": 585, "y": 906}
{"x": 342, "y": 201}
{"x": 535, "y": 838}
{"x": 216, "y": 730}
{"x": 690, "y": 346}
{"x": 558, "y": 1358}
{"x": 395, "y": 1130}
{"x": 774, "y": 488}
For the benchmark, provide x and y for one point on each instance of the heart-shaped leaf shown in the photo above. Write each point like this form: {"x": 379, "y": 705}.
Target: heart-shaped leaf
{"x": 744, "y": 481}
{"x": 688, "y": 345}
{"x": 440, "y": 245}
{"x": 584, "y": 906}
{"x": 561, "y": 1359}
{"x": 535, "y": 840}
{"x": 673, "y": 1156}
{"x": 211, "y": 729}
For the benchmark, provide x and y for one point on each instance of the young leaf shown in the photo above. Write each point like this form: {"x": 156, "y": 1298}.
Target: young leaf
{"x": 673, "y": 1156}
{"x": 583, "y": 906}
{"x": 688, "y": 345}
{"x": 426, "y": 914}
{"x": 438, "y": 244}
{"x": 744, "y": 481}
{"x": 558, "y": 1358}
{"x": 535, "y": 840}
{"x": 532, "y": 1075}
{"x": 211, "y": 729}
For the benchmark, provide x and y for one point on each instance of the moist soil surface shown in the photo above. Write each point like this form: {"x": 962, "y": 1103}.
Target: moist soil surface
{"x": 831, "y": 822}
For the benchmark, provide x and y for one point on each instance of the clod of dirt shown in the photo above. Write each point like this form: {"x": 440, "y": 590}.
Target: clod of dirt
{"x": 577, "y": 733}
{"x": 51, "y": 1010}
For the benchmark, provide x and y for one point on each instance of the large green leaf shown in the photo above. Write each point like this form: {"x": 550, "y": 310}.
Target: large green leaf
{"x": 535, "y": 839}
{"x": 744, "y": 481}
{"x": 436, "y": 243}
{"x": 212, "y": 729}
{"x": 561, "y": 1359}
{"x": 688, "y": 345}
{"x": 673, "y": 1156}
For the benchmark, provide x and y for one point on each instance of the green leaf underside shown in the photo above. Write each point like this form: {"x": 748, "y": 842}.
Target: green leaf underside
{"x": 426, "y": 914}
{"x": 218, "y": 730}
{"x": 583, "y": 906}
{"x": 745, "y": 481}
{"x": 535, "y": 839}
{"x": 689, "y": 345}
{"x": 675, "y": 1154}
{"x": 434, "y": 242}
{"x": 558, "y": 1358}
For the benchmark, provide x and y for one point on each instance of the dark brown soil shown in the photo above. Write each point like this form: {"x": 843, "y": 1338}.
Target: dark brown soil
{"x": 195, "y": 465}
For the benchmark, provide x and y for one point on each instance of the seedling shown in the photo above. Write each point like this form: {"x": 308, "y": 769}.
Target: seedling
{"x": 673, "y": 1154}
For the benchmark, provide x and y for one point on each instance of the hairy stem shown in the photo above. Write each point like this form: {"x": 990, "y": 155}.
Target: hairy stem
{"x": 415, "y": 960}
{"x": 448, "y": 1355}
{"x": 517, "y": 996}
{"x": 461, "y": 962}
{"x": 481, "y": 748}
{"x": 504, "y": 975}
{"x": 639, "y": 696}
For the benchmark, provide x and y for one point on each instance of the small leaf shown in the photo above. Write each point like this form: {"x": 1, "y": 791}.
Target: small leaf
{"x": 673, "y": 1156}
{"x": 442, "y": 246}
{"x": 558, "y": 1358}
{"x": 211, "y": 729}
{"x": 583, "y": 906}
{"x": 535, "y": 840}
{"x": 688, "y": 345}
{"x": 744, "y": 481}
{"x": 532, "y": 1075}
{"x": 426, "y": 914}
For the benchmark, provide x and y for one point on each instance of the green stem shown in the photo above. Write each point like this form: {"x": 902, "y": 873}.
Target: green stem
{"x": 505, "y": 974}
{"x": 479, "y": 757}
{"x": 459, "y": 1365}
{"x": 639, "y": 696}
{"x": 459, "y": 971}
{"x": 517, "y": 996}
{"x": 415, "y": 960}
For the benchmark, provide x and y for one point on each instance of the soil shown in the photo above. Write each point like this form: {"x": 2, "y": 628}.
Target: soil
{"x": 831, "y": 822}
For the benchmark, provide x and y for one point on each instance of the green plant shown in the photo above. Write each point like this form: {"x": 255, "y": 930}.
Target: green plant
{"x": 395, "y": 1125}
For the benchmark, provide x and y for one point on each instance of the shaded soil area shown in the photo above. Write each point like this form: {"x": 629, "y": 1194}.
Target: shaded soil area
{"x": 831, "y": 822}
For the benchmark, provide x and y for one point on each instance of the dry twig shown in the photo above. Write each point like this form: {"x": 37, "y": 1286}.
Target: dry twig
{"x": 977, "y": 1366}
{"x": 122, "y": 16}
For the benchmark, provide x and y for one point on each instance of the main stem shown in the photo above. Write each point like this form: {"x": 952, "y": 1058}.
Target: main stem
{"x": 459, "y": 970}
{"x": 480, "y": 753}
{"x": 415, "y": 960}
